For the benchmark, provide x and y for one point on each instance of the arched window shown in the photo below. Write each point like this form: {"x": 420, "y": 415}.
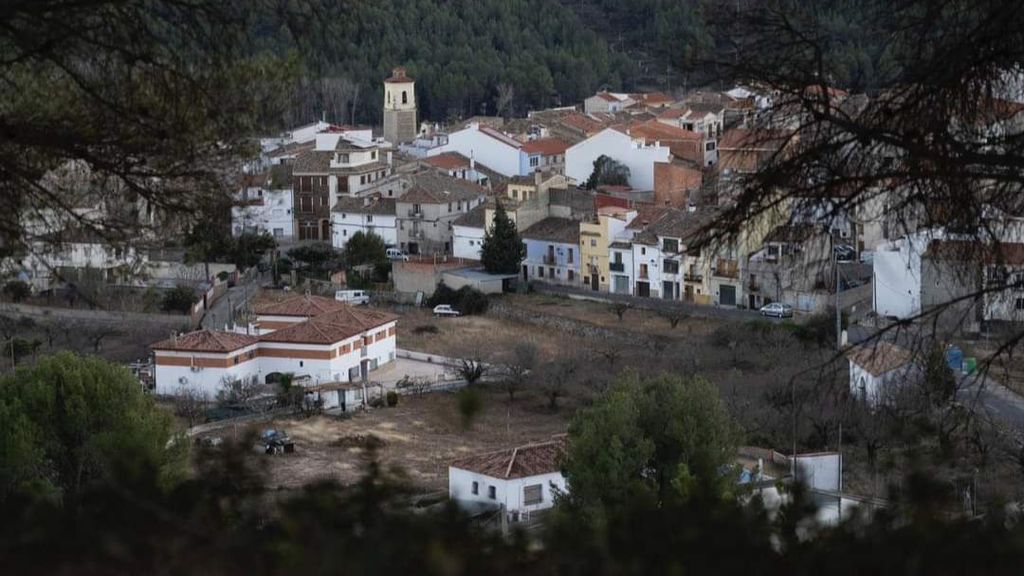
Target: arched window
{"x": 863, "y": 385}
{"x": 405, "y": 97}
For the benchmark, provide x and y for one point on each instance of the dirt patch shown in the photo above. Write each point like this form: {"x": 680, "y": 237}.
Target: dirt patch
{"x": 419, "y": 438}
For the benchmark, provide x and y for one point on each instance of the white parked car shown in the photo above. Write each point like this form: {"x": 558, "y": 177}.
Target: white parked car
{"x": 396, "y": 254}
{"x": 445, "y": 310}
{"x": 354, "y": 297}
{"x": 777, "y": 310}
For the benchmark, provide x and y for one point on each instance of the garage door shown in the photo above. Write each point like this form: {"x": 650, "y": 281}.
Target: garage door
{"x": 727, "y": 295}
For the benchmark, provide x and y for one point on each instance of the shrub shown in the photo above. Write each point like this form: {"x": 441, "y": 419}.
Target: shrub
{"x": 180, "y": 299}
{"x": 17, "y": 290}
{"x": 426, "y": 329}
{"x": 466, "y": 300}
{"x": 392, "y": 398}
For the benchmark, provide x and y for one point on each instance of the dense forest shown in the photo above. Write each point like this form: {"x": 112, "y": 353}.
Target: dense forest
{"x": 466, "y": 56}
{"x": 509, "y": 56}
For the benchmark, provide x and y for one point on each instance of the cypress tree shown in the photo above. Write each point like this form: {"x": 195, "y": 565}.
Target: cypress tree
{"x": 503, "y": 250}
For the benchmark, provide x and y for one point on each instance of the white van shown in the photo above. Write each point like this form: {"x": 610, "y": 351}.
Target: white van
{"x": 354, "y": 297}
{"x": 396, "y": 254}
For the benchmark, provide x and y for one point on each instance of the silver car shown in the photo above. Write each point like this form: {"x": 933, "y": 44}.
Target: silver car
{"x": 777, "y": 310}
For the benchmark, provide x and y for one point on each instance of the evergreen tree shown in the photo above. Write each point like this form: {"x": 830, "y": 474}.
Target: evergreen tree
{"x": 503, "y": 250}
{"x": 608, "y": 171}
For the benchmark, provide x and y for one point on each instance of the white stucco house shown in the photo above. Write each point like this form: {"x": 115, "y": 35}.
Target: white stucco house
{"x": 369, "y": 215}
{"x": 518, "y": 480}
{"x": 318, "y": 340}
{"x": 489, "y": 147}
{"x": 552, "y": 251}
{"x": 878, "y": 370}
{"x": 636, "y": 153}
{"x": 896, "y": 276}
{"x": 264, "y": 203}
{"x": 468, "y": 233}
{"x": 605, "y": 101}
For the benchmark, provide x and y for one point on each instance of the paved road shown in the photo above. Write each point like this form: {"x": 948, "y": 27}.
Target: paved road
{"x": 236, "y": 298}
{"x": 997, "y": 399}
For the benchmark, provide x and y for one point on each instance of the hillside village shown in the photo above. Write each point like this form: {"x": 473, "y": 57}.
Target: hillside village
{"x": 464, "y": 299}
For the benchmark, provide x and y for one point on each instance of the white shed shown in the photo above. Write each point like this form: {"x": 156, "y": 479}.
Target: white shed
{"x": 877, "y": 371}
{"x": 522, "y": 480}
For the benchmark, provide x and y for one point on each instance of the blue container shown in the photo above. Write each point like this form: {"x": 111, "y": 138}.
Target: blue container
{"x": 954, "y": 358}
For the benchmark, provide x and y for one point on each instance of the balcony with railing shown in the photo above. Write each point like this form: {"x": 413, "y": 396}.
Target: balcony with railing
{"x": 753, "y": 286}
{"x": 414, "y": 213}
{"x": 726, "y": 269}
{"x": 617, "y": 266}
{"x": 550, "y": 260}
{"x": 693, "y": 276}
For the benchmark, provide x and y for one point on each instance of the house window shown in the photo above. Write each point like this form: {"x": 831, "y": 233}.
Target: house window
{"x": 709, "y": 147}
{"x": 593, "y": 242}
{"x": 449, "y": 206}
{"x": 643, "y": 251}
{"x": 373, "y": 155}
{"x": 492, "y": 492}
{"x": 540, "y": 271}
{"x": 405, "y": 97}
{"x": 1019, "y": 304}
{"x": 300, "y": 363}
{"x": 671, "y": 266}
{"x": 572, "y": 276}
{"x": 670, "y": 245}
{"x": 533, "y": 494}
{"x": 369, "y": 218}
{"x": 534, "y": 161}
{"x": 570, "y": 256}
{"x": 476, "y": 487}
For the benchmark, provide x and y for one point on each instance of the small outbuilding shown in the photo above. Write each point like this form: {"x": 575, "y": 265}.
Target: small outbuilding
{"x": 878, "y": 370}
{"x": 521, "y": 480}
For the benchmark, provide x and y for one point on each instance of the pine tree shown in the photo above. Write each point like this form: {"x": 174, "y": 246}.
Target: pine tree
{"x": 503, "y": 250}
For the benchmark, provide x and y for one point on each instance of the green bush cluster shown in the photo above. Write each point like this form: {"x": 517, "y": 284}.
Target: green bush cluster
{"x": 467, "y": 300}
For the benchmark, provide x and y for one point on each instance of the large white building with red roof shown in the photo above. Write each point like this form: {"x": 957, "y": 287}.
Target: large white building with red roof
{"x": 318, "y": 340}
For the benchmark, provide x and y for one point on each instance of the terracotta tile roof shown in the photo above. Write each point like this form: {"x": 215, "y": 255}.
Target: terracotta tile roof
{"x": 833, "y": 92}
{"x": 583, "y": 123}
{"x": 1008, "y": 253}
{"x": 368, "y": 205}
{"x": 703, "y": 108}
{"x": 554, "y": 229}
{"x": 652, "y": 98}
{"x": 207, "y": 341}
{"x": 433, "y": 188}
{"x": 672, "y": 114}
{"x": 521, "y": 462}
{"x": 475, "y": 218}
{"x": 607, "y": 97}
{"x": 654, "y": 130}
{"x": 448, "y": 161}
{"x": 398, "y": 74}
{"x": 499, "y": 136}
{"x": 645, "y": 215}
{"x": 546, "y": 146}
{"x": 331, "y": 327}
{"x": 301, "y": 305}
{"x": 879, "y": 358}
{"x": 745, "y": 139}
{"x": 313, "y": 162}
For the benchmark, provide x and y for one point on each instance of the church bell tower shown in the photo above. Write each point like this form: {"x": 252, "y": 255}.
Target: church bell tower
{"x": 399, "y": 107}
